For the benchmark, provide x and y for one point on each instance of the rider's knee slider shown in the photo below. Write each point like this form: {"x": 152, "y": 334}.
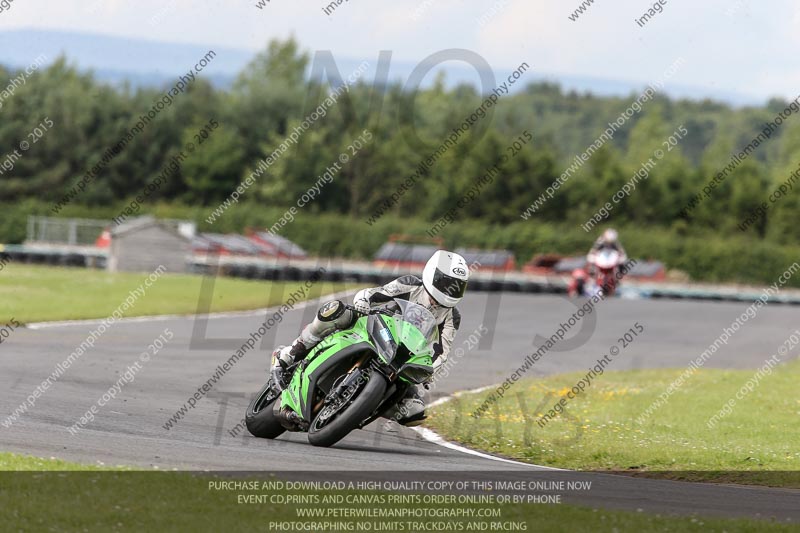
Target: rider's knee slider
{"x": 331, "y": 311}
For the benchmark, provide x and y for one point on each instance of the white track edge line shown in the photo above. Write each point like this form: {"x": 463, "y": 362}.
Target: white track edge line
{"x": 434, "y": 438}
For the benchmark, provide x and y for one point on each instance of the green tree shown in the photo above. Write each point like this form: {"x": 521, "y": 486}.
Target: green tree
{"x": 212, "y": 170}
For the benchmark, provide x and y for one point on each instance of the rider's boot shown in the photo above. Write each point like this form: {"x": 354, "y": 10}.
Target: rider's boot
{"x": 410, "y": 410}
{"x": 284, "y": 357}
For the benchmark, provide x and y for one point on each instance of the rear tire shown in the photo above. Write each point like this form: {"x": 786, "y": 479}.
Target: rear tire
{"x": 362, "y": 407}
{"x": 260, "y": 417}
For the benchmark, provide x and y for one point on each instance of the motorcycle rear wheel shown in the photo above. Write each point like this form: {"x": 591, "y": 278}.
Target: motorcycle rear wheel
{"x": 260, "y": 417}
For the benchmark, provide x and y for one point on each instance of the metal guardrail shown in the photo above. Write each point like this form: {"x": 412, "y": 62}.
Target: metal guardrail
{"x": 56, "y": 255}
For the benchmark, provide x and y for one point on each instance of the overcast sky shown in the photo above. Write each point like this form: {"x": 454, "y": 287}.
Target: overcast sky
{"x": 729, "y": 46}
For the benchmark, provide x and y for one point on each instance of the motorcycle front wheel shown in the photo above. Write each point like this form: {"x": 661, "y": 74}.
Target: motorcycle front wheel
{"x": 328, "y": 432}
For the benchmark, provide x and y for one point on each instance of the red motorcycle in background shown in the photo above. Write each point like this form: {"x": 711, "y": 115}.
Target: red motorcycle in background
{"x": 605, "y": 264}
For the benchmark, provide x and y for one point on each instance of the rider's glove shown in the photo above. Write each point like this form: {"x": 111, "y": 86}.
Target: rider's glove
{"x": 281, "y": 358}
{"x": 361, "y": 304}
{"x": 279, "y": 377}
{"x": 438, "y": 350}
{"x": 438, "y": 363}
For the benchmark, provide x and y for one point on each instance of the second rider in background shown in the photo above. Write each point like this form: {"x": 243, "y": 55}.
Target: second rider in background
{"x": 583, "y": 282}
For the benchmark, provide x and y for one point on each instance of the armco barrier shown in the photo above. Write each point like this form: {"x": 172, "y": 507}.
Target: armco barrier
{"x": 368, "y": 274}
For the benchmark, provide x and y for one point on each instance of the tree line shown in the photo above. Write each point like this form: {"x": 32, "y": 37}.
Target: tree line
{"x": 274, "y": 94}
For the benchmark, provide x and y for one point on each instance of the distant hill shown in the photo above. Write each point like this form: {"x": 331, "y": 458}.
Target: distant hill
{"x": 152, "y": 63}
{"x": 116, "y": 59}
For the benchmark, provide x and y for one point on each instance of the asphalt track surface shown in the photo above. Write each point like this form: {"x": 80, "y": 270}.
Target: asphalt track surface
{"x": 129, "y": 430}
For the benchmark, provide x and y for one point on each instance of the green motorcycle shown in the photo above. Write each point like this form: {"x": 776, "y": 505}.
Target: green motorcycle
{"x": 351, "y": 377}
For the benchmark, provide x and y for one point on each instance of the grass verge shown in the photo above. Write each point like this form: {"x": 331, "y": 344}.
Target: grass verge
{"x": 175, "y": 501}
{"x": 38, "y": 293}
{"x": 25, "y": 463}
{"x": 598, "y": 430}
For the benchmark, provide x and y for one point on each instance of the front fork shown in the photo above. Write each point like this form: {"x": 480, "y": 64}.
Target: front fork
{"x": 354, "y": 378}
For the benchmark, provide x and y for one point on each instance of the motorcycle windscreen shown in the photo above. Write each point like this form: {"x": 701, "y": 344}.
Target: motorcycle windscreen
{"x": 389, "y": 332}
{"x": 417, "y": 327}
{"x": 402, "y": 346}
{"x": 607, "y": 258}
{"x": 411, "y": 337}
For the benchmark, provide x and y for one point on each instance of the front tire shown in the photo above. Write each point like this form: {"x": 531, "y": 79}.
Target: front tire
{"x": 260, "y": 417}
{"x": 362, "y": 407}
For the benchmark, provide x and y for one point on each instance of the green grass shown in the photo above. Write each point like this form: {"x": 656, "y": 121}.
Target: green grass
{"x": 598, "y": 430}
{"x": 95, "y": 500}
{"x": 24, "y": 463}
{"x": 38, "y": 293}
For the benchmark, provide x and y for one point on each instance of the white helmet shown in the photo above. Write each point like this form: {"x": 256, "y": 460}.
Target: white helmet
{"x": 445, "y": 277}
{"x": 610, "y": 236}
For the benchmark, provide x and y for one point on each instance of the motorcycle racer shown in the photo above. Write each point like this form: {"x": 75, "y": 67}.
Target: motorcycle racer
{"x": 606, "y": 260}
{"x": 609, "y": 239}
{"x": 444, "y": 281}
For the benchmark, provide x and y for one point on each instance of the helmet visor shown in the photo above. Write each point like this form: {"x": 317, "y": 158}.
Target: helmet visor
{"x": 452, "y": 287}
